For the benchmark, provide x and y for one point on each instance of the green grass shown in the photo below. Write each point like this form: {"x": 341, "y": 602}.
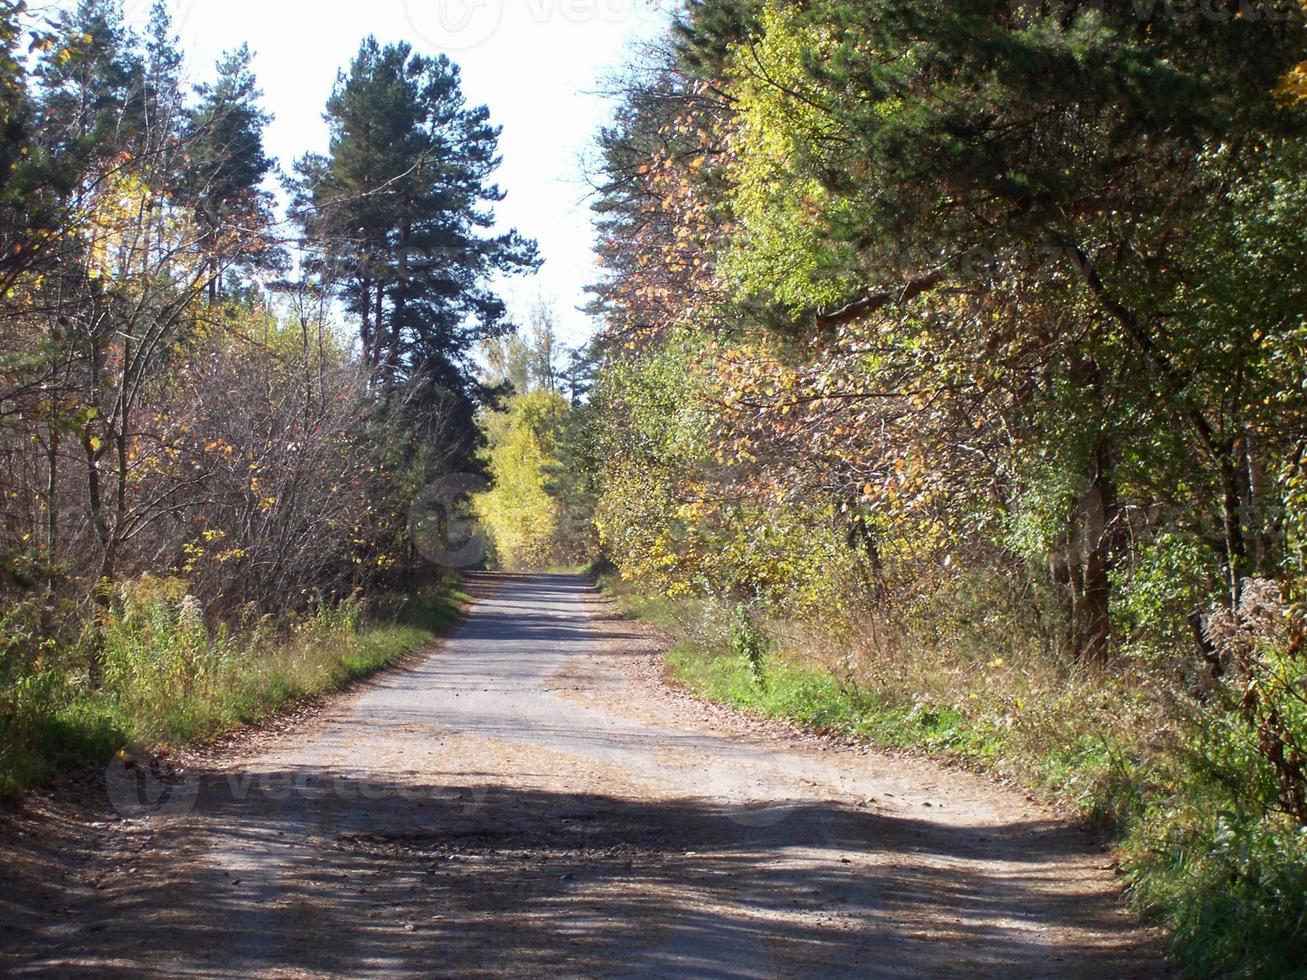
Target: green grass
{"x": 820, "y": 701}
{"x": 813, "y": 697}
{"x": 170, "y": 680}
{"x": 1226, "y": 877}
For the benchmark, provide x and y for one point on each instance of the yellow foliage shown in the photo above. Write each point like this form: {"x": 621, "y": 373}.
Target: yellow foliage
{"x": 518, "y": 513}
{"x": 1292, "y": 89}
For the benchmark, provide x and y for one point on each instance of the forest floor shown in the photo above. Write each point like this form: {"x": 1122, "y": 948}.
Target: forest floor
{"x": 530, "y": 797}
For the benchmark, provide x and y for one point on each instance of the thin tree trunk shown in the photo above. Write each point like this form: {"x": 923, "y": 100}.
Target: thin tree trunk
{"x": 1093, "y": 645}
{"x": 366, "y": 332}
{"x": 383, "y": 353}
{"x": 1235, "y": 550}
{"x": 52, "y": 494}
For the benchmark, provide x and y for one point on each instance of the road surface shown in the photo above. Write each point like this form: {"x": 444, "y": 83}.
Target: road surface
{"x": 529, "y": 800}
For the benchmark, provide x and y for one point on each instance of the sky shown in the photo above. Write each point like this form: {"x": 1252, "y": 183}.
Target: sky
{"x": 538, "y": 64}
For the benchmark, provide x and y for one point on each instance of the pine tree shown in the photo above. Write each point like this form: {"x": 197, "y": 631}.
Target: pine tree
{"x": 163, "y": 97}
{"x": 400, "y": 206}
{"x": 89, "y": 78}
{"x": 228, "y": 163}
{"x": 23, "y": 169}
{"x": 705, "y": 31}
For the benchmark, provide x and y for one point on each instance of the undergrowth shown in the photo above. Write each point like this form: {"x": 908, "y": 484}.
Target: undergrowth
{"x": 168, "y": 677}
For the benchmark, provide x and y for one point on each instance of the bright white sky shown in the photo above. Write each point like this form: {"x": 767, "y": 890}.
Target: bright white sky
{"x": 538, "y": 65}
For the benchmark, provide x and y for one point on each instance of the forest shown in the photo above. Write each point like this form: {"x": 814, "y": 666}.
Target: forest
{"x": 948, "y": 392}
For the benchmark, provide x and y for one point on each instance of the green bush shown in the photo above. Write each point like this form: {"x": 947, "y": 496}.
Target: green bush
{"x": 749, "y": 644}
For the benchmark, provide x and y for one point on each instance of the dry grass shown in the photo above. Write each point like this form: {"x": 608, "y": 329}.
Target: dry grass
{"x": 169, "y": 678}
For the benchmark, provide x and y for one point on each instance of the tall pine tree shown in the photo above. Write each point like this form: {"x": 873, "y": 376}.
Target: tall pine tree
{"x": 400, "y": 211}
{"x": 90, "y": 82}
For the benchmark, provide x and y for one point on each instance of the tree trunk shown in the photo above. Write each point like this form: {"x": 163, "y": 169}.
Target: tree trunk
{"x": 1235, "y": 551}
{"x": 1093, "y": 644}
{"x": 52, "y": 497}
{"x": 383, "y": 353}
{"x": 366, "y": 333}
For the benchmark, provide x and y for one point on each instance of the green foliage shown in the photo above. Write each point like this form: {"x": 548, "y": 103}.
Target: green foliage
{"x": 1167, "y": 583}
{"x": 667, "y": 512}
{"x": 749, "y": 644}
{"x": 1208, "y": 861}
{"x": 652, "y": 424}
{"x": 783, "y": 249}
{"x": 226, "y": 163}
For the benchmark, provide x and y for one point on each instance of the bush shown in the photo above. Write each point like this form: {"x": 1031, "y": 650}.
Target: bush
{"x": 749, "y": 644}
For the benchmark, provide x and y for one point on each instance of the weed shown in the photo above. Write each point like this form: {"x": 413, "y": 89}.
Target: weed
{"x": 169, "y": 678}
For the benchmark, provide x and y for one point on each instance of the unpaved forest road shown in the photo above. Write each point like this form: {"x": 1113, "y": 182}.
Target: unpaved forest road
{"x": 528, "y": 801}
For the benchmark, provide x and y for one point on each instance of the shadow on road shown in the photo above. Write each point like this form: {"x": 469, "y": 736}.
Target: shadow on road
{"x": 470, "y": 879}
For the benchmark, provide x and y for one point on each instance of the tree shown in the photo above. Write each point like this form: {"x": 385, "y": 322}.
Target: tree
{"x": 577, "y": 375}
{"x": 110, "y": 307}
{"x": 659, "y": 212}
{"x": 227, "y": 164}
{"x": 29, "y": 178}
{"x": 519, "y": 512}
{"x": 164, "y": 101}
{"x": 398, "y": 211}
{"x": 1063, "y": 162}
{"x": 90, "y": 76}
{"x": 527, "y": 363}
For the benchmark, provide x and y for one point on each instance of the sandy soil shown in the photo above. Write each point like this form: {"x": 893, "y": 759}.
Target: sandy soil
{"x": 530, "y": 798}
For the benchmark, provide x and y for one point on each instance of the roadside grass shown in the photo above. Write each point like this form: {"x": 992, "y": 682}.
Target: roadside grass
{"x": 1226, "y": 879}
{"x": 168, "y": 678}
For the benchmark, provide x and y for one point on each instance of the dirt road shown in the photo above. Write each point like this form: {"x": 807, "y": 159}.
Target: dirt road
{"x": 529, "y": 800}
